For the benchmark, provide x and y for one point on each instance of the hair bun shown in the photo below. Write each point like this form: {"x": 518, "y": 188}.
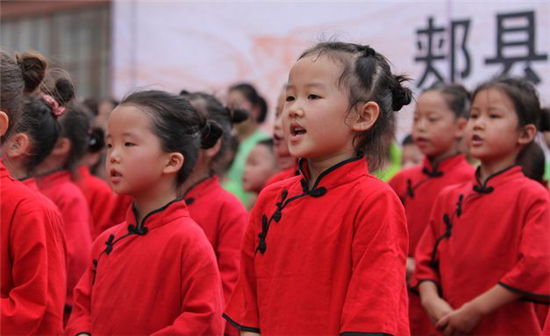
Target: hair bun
{"x": 237, "y": 116}
{"x": 401, "y": 96}
{"x": 33, "y": 67}
{"x": 210, "y": 134}
{"x": 64, "y": 91}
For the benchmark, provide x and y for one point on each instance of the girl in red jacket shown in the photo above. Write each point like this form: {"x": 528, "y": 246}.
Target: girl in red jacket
{"x": 485, "y": 256}
{"x": 439, "y": 122}
{"x": 155, "y": 273}
{"x": 55, "y": 177}
{"x": 32, "y": 256}
{"x": 325, "y": 252}
{"x": 220, "y": 214}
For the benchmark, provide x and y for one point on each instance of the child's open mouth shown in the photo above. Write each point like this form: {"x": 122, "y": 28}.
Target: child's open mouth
{"x": 296, "y": 129}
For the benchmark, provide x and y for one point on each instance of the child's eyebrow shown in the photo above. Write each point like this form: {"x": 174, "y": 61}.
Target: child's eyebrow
{"x": 314, "y": 84}
{"x": 320, "y": 85}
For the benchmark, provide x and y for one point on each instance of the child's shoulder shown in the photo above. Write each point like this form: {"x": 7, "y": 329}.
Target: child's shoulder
{"x": 403, "y": 175}
{"x": 531, "y": 189}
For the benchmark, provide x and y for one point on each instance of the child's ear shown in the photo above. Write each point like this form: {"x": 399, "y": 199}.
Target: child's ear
{"x": 62, "y": 147}
{"x": 18, "y": 145}
{"x": 366, "y": 116}
{"x": 461, "y": 127}
{"x": 527, "y": 134}
{"x": 4, "y": 123}
{"x": 174, "y": 163}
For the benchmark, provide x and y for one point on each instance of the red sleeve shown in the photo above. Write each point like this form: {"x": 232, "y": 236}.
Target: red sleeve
{"x": 424, "y": 271}
{"x": 80, "y": 321}
{"x": 202, "y": 294}
{"x": 531, "y": 274}
{"x": 230, "y": 238}
{"x": 101, "y": 208}
{"x": 23, "y": 309}
{"x": 242, "y": 309}
{"x": 376, "y": 299}
{"x": 397, "y": 183}
{"x": 76, "y": 216}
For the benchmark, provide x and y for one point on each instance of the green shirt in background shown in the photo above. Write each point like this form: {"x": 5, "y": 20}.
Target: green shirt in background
{"x": 393, "y": 166}
{"x": 234, "y": 176}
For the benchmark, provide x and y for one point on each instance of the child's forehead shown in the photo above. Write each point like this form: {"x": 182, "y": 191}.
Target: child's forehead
{"x": 315, "y": 70}
{"x": 128, "y": 119}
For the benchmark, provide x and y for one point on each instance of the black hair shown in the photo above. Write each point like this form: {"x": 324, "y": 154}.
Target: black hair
{"x": 545, "y": 120}
{"x": 251, "y": 94}
{"x": 366, "y": 76}
{"x": 456, "y": 96}
{"x": 523, "y": 95}
{"x": 178, "y": 125}
{"x": 408, "y": 140}
{"x": 75, "y": 126}
{"x": 211, "y": 108}
{"x": 92, "y": 104}
{"x": 525, "y": 98}
{"x": 18, "y": 76}
{"x": 39, "y": 121}
{"x": 532, "y": 162}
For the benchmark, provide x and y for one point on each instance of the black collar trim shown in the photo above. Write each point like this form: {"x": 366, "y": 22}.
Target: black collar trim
{"x": 140, "y": 229}
{"x": 194, "y": 185}
{"x": 240, "y": 327}
{"x": 435, "y": 172}
{"x": 307, "y": 174}
{"x": 482, "y": 188}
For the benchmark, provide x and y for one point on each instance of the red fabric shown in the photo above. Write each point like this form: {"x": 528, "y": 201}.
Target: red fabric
{"x": 162, "y": 282}
{"x": 499, "y": 236}
{"x": 334, "y": 262}
{"x": 418, "y": 202}
{"x": 283, "y": 175}
{"x": 100, "y": 198}
{"x": 76, "y": 218}
{"x": 546, "y": 331}
{"x": 121, "y": 203}
{"x": 32, "y": 259}
{"x": 224, "y": 219}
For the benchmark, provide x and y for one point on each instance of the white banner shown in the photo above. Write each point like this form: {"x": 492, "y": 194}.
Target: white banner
{"x": 211, "y": 45}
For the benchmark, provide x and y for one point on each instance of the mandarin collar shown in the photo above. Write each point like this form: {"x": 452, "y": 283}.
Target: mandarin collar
{"x": 200, "y": 188}
{"x": 156, "y": 218}
{"x": 3, "y": 170}
{"x": 438, "y": 167}
{"x": 54, "y": 177}
{"x": 30, "y": 182}
{"x": 341, "y": 173}
{"x": 496, "y": 179}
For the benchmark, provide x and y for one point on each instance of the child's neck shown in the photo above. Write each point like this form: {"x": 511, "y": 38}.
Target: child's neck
{"x": 440, "y": 157}
{"x": 47, "y": 166}
{"x": 16, "y": 169}
{"x": 153, "y": 199}
{"x": 318, "y": 166}
{"x": 196, "y": 176}
{"x": 488, "y": 168}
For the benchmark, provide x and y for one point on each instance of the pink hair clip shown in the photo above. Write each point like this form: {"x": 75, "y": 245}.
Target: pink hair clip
{"x": 56, "y": 109}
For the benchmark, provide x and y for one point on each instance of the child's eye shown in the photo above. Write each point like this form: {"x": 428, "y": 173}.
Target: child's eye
{"x": 473, "y": 116}
{"x": 313, "y": 96}
{"x": 494, "y": 116}
{"x": 289, "y": 98}
{"x": 109, "y": 146}
{"x": 129, "y": 144}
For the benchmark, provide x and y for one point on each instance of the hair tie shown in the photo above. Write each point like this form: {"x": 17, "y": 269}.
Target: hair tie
{"x": 57, "y": 110}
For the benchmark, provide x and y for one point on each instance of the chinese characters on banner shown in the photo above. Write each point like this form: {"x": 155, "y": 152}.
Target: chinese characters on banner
{"x": 439, "y": 49}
